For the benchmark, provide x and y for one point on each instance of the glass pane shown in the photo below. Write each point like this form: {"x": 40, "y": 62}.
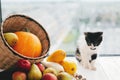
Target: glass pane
{"x": 93, "y": 16}
{"x": 66, "y": 20}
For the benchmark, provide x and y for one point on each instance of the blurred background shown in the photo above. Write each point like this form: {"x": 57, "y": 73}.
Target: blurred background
{"x": 66, "y": 20}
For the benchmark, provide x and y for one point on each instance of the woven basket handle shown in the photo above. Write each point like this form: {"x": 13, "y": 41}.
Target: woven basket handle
{"x": 0, "y": 13}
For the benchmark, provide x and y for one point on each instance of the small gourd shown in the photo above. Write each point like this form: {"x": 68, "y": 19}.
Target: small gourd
{"x": 28, "y": 44}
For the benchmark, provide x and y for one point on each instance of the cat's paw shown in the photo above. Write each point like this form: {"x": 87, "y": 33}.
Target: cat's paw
{"x": 90, "y": 67}
{"x": 86, "y": 66}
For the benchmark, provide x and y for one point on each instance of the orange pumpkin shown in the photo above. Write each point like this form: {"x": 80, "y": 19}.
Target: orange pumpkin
{"x": 28, "y": 44}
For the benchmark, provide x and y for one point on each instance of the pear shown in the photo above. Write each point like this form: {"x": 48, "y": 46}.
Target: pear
{"x": 35, "y": 73}
{"x": 64, "y": 76}
{"x": 50, "y": 70}
{"x": 11, "y": 38}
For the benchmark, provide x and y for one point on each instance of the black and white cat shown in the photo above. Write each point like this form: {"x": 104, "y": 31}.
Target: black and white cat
{"x": 87, "y": 48}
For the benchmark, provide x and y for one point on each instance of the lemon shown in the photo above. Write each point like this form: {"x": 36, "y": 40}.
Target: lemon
{"x": 69, "y": 66}
{"x": 57, "y": 56}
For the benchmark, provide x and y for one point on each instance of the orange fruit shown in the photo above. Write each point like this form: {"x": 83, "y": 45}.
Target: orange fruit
{"x": 57, "y": 56}
{"x": 69, "y": 66}
{"x": 28, "y": 44}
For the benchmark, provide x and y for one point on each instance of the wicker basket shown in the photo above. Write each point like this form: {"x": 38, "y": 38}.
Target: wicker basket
{"x": 13, "y": 23}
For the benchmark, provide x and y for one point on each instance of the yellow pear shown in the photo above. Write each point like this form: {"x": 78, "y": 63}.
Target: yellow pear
{"x": 11, "y": 38}
{"x": 64, "y": 76}
{"x": 57, "y": 56}
{"x": 69, "y": 66}
{"x": 50, "y": 70}
{"x": 35, "y": 73}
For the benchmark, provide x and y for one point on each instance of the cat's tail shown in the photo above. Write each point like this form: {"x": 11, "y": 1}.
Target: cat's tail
{"x": 78, "y": 55}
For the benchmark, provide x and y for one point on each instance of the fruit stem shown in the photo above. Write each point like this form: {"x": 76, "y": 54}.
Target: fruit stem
{"x": 26, "y": 29}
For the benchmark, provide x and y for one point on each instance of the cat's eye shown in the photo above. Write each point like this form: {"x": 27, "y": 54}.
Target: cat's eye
{"x": 88, "y": 41}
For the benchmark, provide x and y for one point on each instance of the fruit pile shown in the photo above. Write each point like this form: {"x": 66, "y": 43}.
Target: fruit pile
{"x": 37, "y": 71}
{"x": 54, "y": 67}
{"x": 49, "y": 69}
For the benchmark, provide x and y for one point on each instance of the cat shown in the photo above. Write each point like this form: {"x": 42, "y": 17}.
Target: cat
{"x": 87, "y": 48}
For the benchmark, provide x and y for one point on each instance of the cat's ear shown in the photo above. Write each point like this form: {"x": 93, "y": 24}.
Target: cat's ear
{"x": 100, "y": 33}
{"x": 85, "y": 33}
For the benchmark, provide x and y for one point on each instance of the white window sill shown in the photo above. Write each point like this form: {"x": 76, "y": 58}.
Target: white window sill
{"x": 108, "y": 68}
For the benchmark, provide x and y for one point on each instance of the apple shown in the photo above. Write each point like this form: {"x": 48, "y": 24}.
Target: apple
{"x": 49, "y": 76}
{"x": 19, "y": 76}
{"x": 40, "y": 66}
{"x": 24, "y": 64}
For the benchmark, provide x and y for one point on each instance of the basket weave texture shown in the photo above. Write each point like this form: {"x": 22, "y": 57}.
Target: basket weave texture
{"x": 8, "y": 56}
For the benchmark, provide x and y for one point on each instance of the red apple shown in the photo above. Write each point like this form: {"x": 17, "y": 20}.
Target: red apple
{"x": 19, "y": 76}
{"x": 24, "y": 64}
{"x": 40, "y": 66}
{"x": 49, "y": 76}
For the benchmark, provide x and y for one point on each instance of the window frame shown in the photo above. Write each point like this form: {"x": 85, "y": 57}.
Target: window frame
{"x": 0, "y": 13}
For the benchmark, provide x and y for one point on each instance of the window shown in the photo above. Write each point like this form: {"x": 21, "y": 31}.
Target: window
{"x": 66, "y": 20}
